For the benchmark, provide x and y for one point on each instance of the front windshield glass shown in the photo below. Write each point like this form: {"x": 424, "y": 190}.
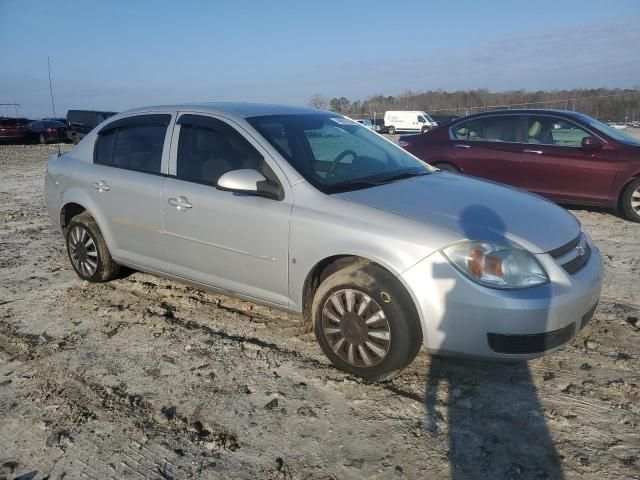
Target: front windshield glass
{"x": 608, "y": 130}
{"x": 428, "y": 117}
{"x": 336, "y": 154}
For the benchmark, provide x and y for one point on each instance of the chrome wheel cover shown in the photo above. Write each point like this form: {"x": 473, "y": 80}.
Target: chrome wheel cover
{"x": 356, "y": 328}
{"x": 83, "y": 251}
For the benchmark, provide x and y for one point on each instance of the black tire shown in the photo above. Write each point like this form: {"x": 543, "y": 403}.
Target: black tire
{"x": 447, "y": 167}
{"x": 398, "y": 307}
{"x": 391, "y": 130}
{"x": 424, "y": 129}
{"x": 631, "y": 193}
{"x": 75, "y": 140}
{"x": 41, "y": 139}
{"x": 106, "y": 268}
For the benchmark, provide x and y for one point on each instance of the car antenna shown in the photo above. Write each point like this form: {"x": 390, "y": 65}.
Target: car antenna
{"x": 53, "y": 107}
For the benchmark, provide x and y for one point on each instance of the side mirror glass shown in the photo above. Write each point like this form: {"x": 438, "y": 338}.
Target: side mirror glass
{"x": 590, "y": 143}
{"x": 245, "y": 180}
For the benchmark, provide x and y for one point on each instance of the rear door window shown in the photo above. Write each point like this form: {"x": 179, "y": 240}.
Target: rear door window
{"x": 505, "y": 128}
{"x": 133, "y": 143}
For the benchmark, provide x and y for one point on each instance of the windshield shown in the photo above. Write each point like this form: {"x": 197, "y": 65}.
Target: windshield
{"x": 336, "y": 154}
{"x": 607, "y": 130}
{"x": 428, "y": 117}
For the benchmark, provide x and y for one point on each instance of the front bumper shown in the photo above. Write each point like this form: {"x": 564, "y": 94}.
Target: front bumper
{"x": 460, "y": 317}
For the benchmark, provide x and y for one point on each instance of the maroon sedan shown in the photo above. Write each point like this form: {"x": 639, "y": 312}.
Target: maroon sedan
{"x": 568, "y": 157}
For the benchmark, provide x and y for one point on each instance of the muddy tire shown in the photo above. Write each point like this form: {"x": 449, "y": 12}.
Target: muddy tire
{"x": 365, "y": 322}
{"x": 630, "y": 201}
{"x": 41, "y": 139}
{"x": 87, "y": 250}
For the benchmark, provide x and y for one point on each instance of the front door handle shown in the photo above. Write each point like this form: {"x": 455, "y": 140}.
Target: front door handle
{"x": 461, "y": 145}
{"x": 181, "y": 203}
{"x": 101, "y": 186}
{"x": 537, "y": 152}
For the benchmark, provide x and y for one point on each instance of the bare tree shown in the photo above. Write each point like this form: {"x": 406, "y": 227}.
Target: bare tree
{"x": 319, "y": 101}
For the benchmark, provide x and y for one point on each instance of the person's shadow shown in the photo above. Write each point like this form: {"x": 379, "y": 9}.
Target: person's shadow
{"x": 489, "y": 412}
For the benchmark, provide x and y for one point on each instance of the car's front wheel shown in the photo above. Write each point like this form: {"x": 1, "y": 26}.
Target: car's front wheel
{"x": 391, "y": 130}
{"x": 88, "y": 251}
{"x": 630, "y": 201}
{"x": 366, "y": 322}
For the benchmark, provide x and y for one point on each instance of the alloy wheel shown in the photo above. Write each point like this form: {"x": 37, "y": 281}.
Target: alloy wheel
{"x": 83, "y": 251}
{"x": 356, "y": 328}
{"x": 635, "y": 200}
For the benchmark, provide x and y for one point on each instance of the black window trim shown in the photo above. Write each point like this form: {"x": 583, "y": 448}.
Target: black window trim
{"x": 131, "y": 121}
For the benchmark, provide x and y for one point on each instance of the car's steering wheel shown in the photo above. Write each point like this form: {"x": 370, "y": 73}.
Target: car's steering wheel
{"x": 337, "y": 160}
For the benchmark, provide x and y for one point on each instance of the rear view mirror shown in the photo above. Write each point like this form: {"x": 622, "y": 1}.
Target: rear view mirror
{"x": 590, "y": 143}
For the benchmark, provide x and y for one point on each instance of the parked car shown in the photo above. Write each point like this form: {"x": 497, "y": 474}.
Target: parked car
{"x": 444, "y": 119}
{"x": 366, "y": 123}
{"x": 46, "y": 131}
{"x": 82, "y": 122}
{"x": 568, "y": 157}
{"x": 309, "y": 212}
{"x": 53, "y": 119}
{"x": 13, "y": 130}
{"x": 379, "y": 126}
{"x": 408, "y": 121}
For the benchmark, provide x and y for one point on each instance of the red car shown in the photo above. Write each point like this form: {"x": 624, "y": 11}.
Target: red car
{"x": 13, "y": 130}
{"x": 568, "y": 157}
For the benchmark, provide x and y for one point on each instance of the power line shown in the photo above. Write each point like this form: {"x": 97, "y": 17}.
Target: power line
{"x": 53, "y": 107}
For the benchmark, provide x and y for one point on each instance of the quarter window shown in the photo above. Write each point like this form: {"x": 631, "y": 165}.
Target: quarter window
{"x": 490, "y": 129}
{"x": 209, "y": 148}
{"x": 546, "y": 130}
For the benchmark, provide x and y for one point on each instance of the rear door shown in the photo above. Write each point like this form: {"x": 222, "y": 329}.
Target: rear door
{"x": 490, "y": 147}
{"x": 555, "y": 164}
{"x": 130, "y": 164}
{"x": 228, "y": 240}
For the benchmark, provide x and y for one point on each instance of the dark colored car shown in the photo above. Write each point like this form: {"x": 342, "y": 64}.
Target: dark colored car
{"x": 444, "y": 119}
{"x": 379, "y": 126}
{"x": 13, "y": 130}
{"x": 568, "y": 157}
{"x": 82, "y": 122}
{"x": 47, "y": 131}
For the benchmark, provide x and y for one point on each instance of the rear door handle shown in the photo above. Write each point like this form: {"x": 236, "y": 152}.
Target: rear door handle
{"x": 181, "y": 203}
{"x": 537, "y": 152}
{"x": 461, "y": 145}
{"x": 101, "y": 186}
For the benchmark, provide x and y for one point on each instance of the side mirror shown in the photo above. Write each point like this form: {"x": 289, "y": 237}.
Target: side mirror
{"x": 249, "y": 181}
{"x": 590, "y": 143}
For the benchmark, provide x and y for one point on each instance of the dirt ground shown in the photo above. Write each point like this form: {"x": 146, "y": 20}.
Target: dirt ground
{"x": 147, "y": 378}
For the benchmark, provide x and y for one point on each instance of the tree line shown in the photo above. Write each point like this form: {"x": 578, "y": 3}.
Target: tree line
{"x": 616, "y": 105}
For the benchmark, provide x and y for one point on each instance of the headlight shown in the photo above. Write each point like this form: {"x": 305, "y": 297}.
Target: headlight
{"x": 496, "y": 266}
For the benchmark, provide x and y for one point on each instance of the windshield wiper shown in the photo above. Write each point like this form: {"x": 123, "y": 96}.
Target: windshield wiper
{"x": 403, "y": 175}
{"x": 351, "y": 185}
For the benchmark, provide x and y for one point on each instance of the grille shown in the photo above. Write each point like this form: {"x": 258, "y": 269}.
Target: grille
{"x": 533, "y": 343}
{"x": 582, "y": 250}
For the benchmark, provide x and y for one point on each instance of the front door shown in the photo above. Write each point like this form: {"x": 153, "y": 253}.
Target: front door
{"x": 556, "y": 166}
{"x": 228, "y": 240}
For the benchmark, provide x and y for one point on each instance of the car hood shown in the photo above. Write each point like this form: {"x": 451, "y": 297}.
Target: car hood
{"x": 474, "y": 209}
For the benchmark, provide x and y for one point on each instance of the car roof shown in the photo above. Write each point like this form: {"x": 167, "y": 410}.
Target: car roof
{"x": 242, "y": 109}
{"x": 524, "y": 111}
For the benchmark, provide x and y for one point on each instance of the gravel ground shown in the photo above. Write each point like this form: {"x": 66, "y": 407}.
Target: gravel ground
{"x": 147, "y": 378}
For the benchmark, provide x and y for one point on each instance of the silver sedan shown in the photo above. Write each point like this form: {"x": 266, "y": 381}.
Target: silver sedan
{"x": 309, "y": 212}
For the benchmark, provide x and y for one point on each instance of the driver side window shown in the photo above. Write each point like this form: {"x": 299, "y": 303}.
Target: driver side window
{"x": 209, "y": 148}
{"x": 547, "y": 130}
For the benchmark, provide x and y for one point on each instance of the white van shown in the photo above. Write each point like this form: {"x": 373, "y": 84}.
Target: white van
{"x": 413, "y": 121}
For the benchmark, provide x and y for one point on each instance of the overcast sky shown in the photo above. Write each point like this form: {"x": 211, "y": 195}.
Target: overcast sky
{"x": 121, "y": 54}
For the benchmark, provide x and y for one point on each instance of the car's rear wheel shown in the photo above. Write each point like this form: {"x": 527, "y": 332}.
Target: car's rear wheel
{"x": 88, "y": 251}
{"x": 366, "y": 322}
{"x": 391, "y": 130}
{"x": 630, "y": 201}
{"x": 447, "y": 167}
{"x": 41, "y": 139}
